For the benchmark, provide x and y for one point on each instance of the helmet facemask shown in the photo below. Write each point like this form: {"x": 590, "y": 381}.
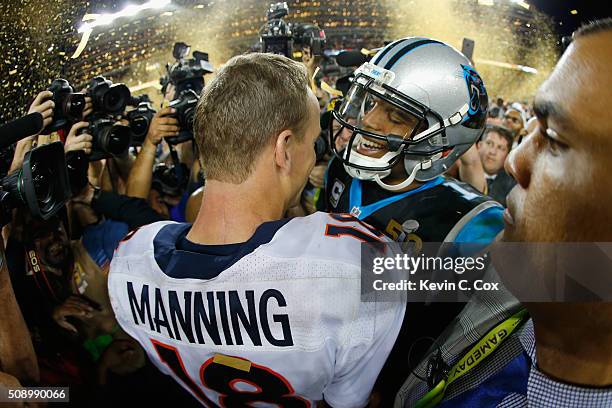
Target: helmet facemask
{"x": 422, "y": 142}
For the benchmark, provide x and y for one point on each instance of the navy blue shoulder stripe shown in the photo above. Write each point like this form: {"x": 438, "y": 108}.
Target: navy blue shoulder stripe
{"x": 407, "y": 49}
{"x": 180, "y": 258}
{"x": 386, "y": 51}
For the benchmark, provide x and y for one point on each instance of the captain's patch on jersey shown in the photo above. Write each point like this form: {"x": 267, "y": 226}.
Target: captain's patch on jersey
{"x": 336, "y": 193}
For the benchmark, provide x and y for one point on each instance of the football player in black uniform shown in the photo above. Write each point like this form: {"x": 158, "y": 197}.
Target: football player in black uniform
{"x": 413, "y": 110}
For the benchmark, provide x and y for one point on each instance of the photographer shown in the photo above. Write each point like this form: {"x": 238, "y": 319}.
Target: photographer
{"x": 104, "y": 217}
{"x": 61, "y": 285}
{"x": 43, "y": 105}
{"x": 141, "y": 175}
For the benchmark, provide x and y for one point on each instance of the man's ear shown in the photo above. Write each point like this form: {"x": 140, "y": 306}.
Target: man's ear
{"x": 478, "y": 144}
{"x": 282, "y": 155}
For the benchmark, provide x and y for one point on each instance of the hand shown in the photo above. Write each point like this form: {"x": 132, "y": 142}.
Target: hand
{"x": 162, "y": 126}
{"x": 122, "y": 356}
{"x": 85, "y": 197}
{"x": 76, "y": 142}
{"x": 43, "y": 105}
{"x": 308, "y": 59}
{"x": 73, "y": 306}
{"x": 88, "y": 107}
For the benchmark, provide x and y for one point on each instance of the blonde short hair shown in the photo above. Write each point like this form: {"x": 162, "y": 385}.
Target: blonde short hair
{"x": 252, "y": 99}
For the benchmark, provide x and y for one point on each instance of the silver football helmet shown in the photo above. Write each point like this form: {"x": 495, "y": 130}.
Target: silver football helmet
{"x": 427, "y": 80}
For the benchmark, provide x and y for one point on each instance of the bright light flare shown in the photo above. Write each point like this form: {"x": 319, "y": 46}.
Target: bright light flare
{"x": 128, "y": 11}
{"x": 516, "y": 67}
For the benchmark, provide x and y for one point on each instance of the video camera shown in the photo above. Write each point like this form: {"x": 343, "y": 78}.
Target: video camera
{"x": 185, "y": 73}
{"x": 279, "y": 37}
{"x": 41, "y": 183}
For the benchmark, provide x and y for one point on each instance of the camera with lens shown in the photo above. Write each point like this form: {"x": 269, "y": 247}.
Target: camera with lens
{"x": 69, "y": 105}
{"x": 140, "y": 119}
{"x": 109, "y": 137}
{"x": 311, "y": 36}
{"x": 185, "y": 73}
{"x": 185, "y": 106}
{"x": 170, "y": 180}
{"x": 106, "y": 97}
{"x": 41, "y": 184}
{"x": 136, "y": 100}
{"x": 280, "y": 37}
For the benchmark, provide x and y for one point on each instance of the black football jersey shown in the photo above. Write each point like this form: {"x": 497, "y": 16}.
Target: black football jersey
{"x": 440, "y": 210}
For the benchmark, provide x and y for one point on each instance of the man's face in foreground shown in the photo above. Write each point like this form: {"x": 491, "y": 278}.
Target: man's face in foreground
{"x": 564, "y": 167}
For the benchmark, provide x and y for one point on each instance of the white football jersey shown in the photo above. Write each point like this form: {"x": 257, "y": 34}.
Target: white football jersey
{"x": 275, "y": 321}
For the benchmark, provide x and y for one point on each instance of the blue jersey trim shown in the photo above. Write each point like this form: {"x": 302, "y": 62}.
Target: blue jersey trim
{"x": 101, "y": 240}
{"x": 180, "y": 258}
{"x": 484, "y": 227}
{"x": 355, "y": 197}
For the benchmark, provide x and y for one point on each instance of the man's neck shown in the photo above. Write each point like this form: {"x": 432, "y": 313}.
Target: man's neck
{"x": 574, "y": 354}
{"x": 230, "y": 213}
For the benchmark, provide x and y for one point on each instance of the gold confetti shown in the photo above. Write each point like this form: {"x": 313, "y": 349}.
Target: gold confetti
{"x": 123, "y": 50}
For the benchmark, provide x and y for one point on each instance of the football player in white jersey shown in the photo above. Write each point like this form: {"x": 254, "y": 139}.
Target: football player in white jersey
{"x": 243, "y": 308}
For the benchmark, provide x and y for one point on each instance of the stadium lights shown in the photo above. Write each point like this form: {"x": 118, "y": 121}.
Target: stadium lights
{"x": 96, "y": 20}
{"x": 128, "y": 11}
{"x": 516, "y": 67}
{"x": 521, "y": 3}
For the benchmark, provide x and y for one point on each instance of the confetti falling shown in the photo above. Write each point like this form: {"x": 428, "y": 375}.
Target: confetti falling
{"x": 38, "y": 37}
{"x": 504, "y": 32}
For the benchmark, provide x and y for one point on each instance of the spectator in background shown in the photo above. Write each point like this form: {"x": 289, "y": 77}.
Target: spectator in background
{"x": 515, "y": 120}
{"x": 497, "y": 109}
{"x": 493, "y": 149}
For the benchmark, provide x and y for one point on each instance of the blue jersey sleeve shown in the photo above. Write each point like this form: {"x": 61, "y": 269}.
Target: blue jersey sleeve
{"x": 482, "y": 228}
